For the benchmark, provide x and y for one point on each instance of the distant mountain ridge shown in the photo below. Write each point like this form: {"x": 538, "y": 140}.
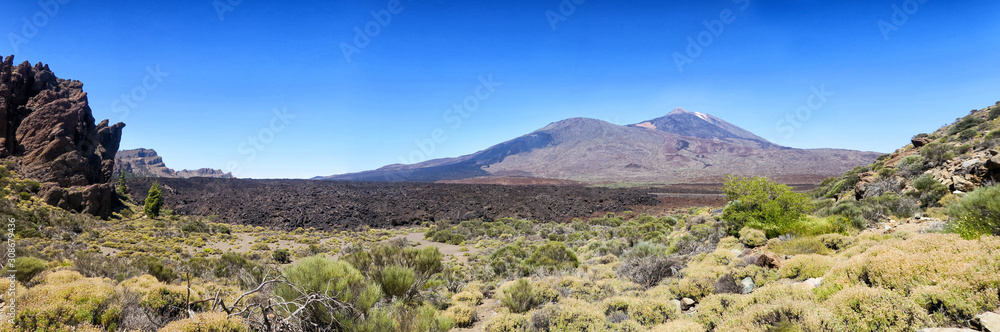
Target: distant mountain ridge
{"x": 682, "y": 146}
{"x": 147, "y": 163}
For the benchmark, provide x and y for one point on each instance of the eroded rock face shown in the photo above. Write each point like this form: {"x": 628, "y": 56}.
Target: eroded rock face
{"x": 48, "y": 127}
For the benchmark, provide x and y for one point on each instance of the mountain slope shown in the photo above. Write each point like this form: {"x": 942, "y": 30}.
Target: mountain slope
{"x": 146, "y": 163}
{"x": 680, "y": 147}
{"x": 959, "y": 158}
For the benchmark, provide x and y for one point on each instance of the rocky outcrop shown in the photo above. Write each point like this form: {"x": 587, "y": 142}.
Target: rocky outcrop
{"x": 920, "y": 140}
{"x": 147, "y": 163}
{"x": 49, "y": 130}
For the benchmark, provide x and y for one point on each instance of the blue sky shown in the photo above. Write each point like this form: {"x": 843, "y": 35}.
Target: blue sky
{"x": 204, "y": 80}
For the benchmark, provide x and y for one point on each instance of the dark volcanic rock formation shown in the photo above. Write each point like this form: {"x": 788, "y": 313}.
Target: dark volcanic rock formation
{"x": 147, "y": 163}
{"x": 48, "y": 128}
{"x": 289, "y": 204}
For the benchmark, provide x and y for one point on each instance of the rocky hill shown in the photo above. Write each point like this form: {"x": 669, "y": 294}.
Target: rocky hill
{"x": 679, "y": 147}
{"x": 147, "y": 163}
{"x": 955, "y": 159}
{"x": 49, "y": 133}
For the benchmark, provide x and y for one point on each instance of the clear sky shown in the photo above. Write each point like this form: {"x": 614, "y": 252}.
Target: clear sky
{"x": 200, "y": 78}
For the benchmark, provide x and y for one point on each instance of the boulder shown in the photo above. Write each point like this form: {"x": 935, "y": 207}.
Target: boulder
{"x": 51, "y": 134}
{"x": 748, "y": 285}
{"x": 993, "y": 163}
{"x": 989, "y": 321}
{"x": 769, "y": 260}
{"x": 961, "y": 184}
{"x": 920, "y": 140}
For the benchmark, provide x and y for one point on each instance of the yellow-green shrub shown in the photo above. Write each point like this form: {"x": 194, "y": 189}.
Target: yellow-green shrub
{"x": 645, "y": 311}
{"x": 158, "y": 296}
{"x": 627, "y": 326}
{"x": 752, "y": 237}
{"x": 577, "y": 316}
{"x": 462, "y": 314}
{"x": 866, "y": 309}
{"x": 680, "y": 325}
{"x": 803, "y": 267}
{"x": 65, "y": 299}
{"x": 207, "y": 322}
{"x": 508, "y": 323}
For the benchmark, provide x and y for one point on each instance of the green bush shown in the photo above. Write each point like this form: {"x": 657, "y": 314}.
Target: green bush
{"x": 936, "y": 154}
{"x": 154, "y": 201}
{"x": 519, "y": 297}
{"x": 195, "y": 226}
{"x": 553, "y": 256}
{"x": 397, "y": 280}
{"x": 965, "y": 124}
{"x": 911, "y": 166}
{"x": 508, "y": 260}
{"x": 763, "y": 204}
{"x": 994, "y": 112}
{"x": 929, "y": 190}
{"x": 162, "y": 273}
{"x": 752, "y": 237}
{"x": 977, "y": 214}
{"x": 888, "y": 205}
{"x": 282, "y": 256}
{"x": 28, "y": 267}
{"x": 344, "y": 285}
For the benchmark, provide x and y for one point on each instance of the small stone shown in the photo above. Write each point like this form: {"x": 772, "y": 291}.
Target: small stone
{"x": 687, "y": 303}
{"x": 748, "y": 285}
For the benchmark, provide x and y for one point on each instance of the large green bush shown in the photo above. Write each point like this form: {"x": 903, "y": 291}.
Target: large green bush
{"x": 977, "y": 214}
{"x": 929, "y": 191}
{"x": 349, "y": 296}
{"x": 27, "y": 268}
{"x": 553, "y": 256}
{"x": 508, "y": 260}
{"x": 519, "y": 297}
{"x": 911, "y": 166}
{"x": 761, "y": 203}
{"x": 936, "y": 154}
{"x": 391, "y": 264}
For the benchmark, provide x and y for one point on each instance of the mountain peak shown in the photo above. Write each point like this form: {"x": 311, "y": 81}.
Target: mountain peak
{"x": 695, "y": 124}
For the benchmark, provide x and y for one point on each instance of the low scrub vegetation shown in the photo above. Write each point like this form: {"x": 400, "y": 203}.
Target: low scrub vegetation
{"x": 772, "y": 260}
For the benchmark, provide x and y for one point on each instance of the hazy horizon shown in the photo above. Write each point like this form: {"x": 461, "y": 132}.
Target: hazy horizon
{"x": 195, "y": 82}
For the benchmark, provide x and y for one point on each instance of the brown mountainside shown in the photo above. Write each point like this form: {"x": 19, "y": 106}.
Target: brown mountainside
{"x": 147, "y": 163}
{"x": 679, "y": 147}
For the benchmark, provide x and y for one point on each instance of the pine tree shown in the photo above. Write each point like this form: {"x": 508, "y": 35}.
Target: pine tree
{"x": 154, "y": 201}
{"x": 122, "y": 186}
